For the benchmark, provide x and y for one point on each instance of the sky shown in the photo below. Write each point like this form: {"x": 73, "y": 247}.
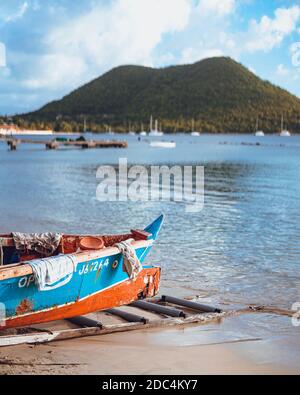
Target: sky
{"x": 50, "y": 47}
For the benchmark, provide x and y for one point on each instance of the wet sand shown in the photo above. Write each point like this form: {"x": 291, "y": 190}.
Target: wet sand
{"x": 226, "y": 348}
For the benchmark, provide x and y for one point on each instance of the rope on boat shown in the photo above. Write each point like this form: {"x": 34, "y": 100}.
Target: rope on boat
{"x": 1, "y": 251}
{"x": 132, "y": 264}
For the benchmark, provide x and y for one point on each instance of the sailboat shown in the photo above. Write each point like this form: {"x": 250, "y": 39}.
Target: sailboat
{"x": 194, "y": 133}
{"x": 143, "y": 132}
{"x": 163, "y": 144}
{"x": 131, "y": 132}
{"x": 110, "y": 130}
{"x": 155, "y": 132}
{"x": 284, "y": 132}
{"x": 258, "y": 133}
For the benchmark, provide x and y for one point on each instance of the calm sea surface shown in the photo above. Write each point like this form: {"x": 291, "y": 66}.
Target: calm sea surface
{"x": 244, "y": 247}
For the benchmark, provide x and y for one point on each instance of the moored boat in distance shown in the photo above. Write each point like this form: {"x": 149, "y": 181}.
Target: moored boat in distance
{"x": 163, "y": 144}
{"x": 110, "y": 131}
{"x": 284, "y": 132}
{"x": 155, "y": 132}
{"x": 258, "y": 133}
{"x": 143, "y": 132}
{"x": 83, "y": 274}
{"x": 131, "y": 132}
{"x": 194, "y": 133}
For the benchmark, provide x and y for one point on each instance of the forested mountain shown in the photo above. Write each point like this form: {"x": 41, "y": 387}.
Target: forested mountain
{"x": 220, "y": 94}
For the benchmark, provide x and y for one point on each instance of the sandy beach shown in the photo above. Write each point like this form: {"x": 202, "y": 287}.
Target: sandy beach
{"x": 227, "y": 348}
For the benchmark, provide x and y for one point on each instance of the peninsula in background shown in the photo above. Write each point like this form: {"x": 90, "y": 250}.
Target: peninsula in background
{"x": 216, "y": 95}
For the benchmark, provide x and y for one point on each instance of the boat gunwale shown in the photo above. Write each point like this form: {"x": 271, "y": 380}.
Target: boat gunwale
{"x": 7, "y": 239}
{"x": 24, "y": 269}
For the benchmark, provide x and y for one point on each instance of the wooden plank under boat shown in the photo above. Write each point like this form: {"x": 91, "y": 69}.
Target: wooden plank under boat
{"x": 99, "y": 282}
{"x": 125, "y": 319}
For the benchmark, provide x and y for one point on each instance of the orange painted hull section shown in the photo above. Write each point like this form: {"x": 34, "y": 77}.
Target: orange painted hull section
{"x": 146, "y": 285}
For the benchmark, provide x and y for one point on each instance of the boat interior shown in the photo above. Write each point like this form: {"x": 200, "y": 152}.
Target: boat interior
{"x": 69, "y": 244}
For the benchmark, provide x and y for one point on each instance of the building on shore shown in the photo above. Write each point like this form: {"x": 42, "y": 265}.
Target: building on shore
{"x": 12, "y": 129}
{"x": 8, "y": 129}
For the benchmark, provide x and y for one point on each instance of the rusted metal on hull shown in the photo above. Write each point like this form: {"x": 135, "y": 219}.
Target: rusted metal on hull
{"x": 24, "y": 307}
{"x": 146, "y": 285}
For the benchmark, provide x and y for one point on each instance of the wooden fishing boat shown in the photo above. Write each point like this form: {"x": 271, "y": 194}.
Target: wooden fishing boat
{"x": 99, "y": 281}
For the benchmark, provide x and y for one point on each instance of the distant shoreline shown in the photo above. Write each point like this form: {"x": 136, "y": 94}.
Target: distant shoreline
{"x": 41, "y": 133}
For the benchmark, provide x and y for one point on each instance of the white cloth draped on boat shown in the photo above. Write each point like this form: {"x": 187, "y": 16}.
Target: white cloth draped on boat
{"x": 52, "y": 273}
{"x": 132, "y": 264}
{"x": 42, "y": 243}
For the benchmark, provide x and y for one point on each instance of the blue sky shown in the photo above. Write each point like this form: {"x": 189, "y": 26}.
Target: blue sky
{"x": 50, "y": 47}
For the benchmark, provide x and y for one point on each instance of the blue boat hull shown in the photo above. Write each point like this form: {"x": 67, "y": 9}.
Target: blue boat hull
{"x": 99, "y": 283}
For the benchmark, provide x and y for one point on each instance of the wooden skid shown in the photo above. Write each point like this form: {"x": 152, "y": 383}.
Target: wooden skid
{"x": 160, "y": 321}
{"x": 68, "y": 334}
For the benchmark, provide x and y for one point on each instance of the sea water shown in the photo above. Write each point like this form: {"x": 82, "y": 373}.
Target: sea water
{"x": 242, "y": 248}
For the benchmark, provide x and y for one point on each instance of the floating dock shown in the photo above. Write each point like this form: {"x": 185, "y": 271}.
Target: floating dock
{"x": 55, "y": 144}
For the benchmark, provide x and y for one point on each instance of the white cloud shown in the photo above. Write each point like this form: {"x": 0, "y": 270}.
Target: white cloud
{"x": 209, "y": 28}
{"x": 295, "y": 53}
{"x": 212, "y": 24}
{"x": 57, "y": 69}
{"x": 191, "y": 55}
{"x": 127, "y": 31}
{"x": 269, "y": 33}
{"x": 217, "y": 7}
{"x": 20, "y": 12}
{"x": 282, "y": 70}
{"x": 2, "y": 55}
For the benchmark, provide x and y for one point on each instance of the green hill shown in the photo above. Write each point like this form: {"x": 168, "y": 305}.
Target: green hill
{"x": 220, "y": 94}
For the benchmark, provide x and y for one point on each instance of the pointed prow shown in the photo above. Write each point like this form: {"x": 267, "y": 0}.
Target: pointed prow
{"x": 155, "y": 227}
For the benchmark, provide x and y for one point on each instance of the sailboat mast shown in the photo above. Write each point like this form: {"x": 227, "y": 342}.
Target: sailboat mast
{"x": 84, "y": 125}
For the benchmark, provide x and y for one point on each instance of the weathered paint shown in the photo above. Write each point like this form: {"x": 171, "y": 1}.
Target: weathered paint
{"x": 118, "y": 295}
{"x": 99, "y": 283}
{"x": 24, "y": 307}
